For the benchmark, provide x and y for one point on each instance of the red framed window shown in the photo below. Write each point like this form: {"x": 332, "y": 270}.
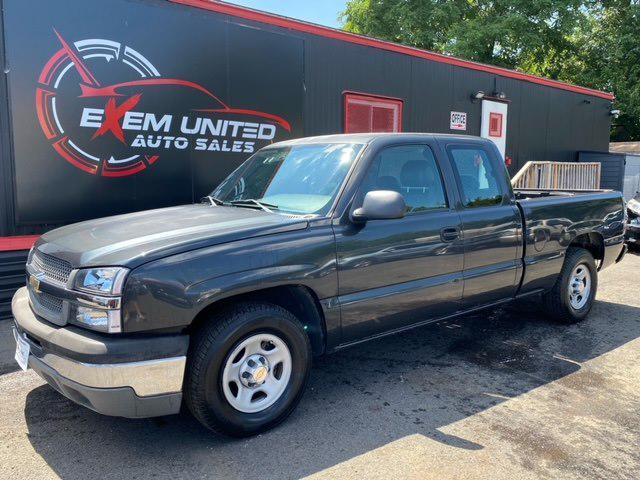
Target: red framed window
{"x": 369, "y": 113}
{"x": 495, "y": 124}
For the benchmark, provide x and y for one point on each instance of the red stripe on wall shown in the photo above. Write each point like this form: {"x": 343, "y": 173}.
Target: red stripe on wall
{"x": 284, "y": 22}
{"x": 10, "y": 244}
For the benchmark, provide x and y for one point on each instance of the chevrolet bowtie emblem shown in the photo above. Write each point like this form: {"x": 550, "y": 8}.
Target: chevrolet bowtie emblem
{"x": 35, "y": 283}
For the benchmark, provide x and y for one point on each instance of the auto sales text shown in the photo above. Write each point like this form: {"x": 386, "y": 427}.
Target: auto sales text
{"x": 201, "y": 133}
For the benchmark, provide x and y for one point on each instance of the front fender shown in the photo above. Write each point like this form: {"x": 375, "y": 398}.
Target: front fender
{"x": 170, "y": 292}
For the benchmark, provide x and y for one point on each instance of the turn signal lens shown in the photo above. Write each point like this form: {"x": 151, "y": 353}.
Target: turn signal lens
{"x": 97, "y": 319}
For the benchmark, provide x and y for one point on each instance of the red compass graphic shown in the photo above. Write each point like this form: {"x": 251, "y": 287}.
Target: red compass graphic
{"x": 73, "y": 80}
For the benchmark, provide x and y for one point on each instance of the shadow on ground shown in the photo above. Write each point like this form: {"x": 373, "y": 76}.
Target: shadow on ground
{"x": 358, "y": 400}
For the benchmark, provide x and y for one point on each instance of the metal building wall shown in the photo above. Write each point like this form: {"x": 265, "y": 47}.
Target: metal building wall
{"x": 544, "y": 123}
{"x": 612, "y": 170}
{"x": 6, "y": 171}
{"x": 12, "y": 277}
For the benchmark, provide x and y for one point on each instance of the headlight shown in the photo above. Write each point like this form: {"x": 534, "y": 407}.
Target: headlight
{"x": 102, "y": 310}
{"x": 103, "y": 280}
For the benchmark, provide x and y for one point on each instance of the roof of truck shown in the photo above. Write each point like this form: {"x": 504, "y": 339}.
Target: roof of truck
{"x": 365, "y": 138}
{"x": 336, "y": 34}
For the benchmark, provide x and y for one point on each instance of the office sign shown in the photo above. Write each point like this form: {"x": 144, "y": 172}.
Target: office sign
{"x": 458, "y": 121}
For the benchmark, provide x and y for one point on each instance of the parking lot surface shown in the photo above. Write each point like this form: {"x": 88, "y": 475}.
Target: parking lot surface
{"x": 501, "y": 394}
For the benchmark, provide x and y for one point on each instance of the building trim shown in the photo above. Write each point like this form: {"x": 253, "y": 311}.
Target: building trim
{"x": 17, "y": 243}
{"x": 313, "y": 29}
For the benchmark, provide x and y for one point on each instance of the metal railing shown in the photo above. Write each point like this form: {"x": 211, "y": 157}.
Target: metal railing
{"x": 558, "y": 176}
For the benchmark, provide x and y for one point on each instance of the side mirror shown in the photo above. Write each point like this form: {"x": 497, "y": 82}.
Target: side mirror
{"x": 380, "y": 205}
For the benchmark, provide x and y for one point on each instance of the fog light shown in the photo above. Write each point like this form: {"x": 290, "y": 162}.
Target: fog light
{"x": 98, "y": 319}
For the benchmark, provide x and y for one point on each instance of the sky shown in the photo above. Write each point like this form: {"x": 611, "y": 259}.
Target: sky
{"x": 323, "y": 12}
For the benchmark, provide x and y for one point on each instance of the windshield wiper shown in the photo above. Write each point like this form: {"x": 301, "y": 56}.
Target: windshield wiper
{"x": 252, "y": 202}
{"x": 212, "y": 200}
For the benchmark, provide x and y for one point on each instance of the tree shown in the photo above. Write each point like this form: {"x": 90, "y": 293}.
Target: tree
{"x": 609, "y": 59}
{"x": 587, "y": 42}
{"x": 507, "y": 33}
{"x": 419, "y": 23}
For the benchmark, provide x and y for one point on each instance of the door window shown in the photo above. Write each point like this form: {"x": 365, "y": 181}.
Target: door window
{"x": 410, "y": 170}
{"x": 478, "y": 177}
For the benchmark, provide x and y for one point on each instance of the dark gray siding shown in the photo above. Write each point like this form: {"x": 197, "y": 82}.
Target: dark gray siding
{"x": 6, "y": 165}
{"x": 12, "y": 277}
{"x": 333, "y": 67}
{"x": 544, "y": 123}
{"x": 612, "y": 171}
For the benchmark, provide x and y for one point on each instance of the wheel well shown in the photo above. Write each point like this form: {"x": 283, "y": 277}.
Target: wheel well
{"x": 298, "y": 299}
{"x": 592, "y": 242}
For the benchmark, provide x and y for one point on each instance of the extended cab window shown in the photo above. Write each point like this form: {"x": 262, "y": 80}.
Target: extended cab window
{"x": 410, "y": 170}
{"x": 479, "y": 179}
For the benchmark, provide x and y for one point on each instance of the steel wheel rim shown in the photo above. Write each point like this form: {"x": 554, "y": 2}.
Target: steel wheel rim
{"x": 245, "y": 384}
{"x": 579, "y": 286}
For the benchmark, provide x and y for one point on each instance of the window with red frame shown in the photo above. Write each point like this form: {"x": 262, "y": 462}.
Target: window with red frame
{"x": 367, "y": 113}
{"x": 495, "y": 124}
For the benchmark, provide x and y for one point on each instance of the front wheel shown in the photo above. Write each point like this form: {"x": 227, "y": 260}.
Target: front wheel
{"x": 572, "y": 296}
{"x": 247, "y": 369}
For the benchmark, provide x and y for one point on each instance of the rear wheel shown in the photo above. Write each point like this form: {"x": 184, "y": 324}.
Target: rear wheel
{"x": 572, "y": 296}
{"x": 247, "y": 369}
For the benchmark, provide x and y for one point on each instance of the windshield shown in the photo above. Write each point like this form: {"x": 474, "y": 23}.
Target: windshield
{"x": 299, "y": 179}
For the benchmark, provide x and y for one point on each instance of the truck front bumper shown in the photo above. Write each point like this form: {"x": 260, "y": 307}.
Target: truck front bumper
{"x": 134, "y": 377}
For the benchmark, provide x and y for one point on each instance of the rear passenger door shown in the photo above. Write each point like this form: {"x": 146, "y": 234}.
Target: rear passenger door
{"x": 394, "y": 273}
{"x": 491, "y": 224}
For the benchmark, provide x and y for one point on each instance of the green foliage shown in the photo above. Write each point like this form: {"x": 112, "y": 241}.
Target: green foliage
{"x": 609, "y": 59}
{"x": 586, "y": 42}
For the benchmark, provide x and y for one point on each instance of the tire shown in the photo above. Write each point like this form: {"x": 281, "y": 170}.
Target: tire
{"x": 209, "y": 361}
{"x": 558, "y": 303}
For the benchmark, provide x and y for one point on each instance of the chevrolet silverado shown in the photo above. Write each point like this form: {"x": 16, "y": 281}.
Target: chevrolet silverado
{"x": 310, "y": 246}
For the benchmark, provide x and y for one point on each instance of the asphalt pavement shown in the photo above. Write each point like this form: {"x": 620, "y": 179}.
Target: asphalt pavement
{"x": 501, "y": 394}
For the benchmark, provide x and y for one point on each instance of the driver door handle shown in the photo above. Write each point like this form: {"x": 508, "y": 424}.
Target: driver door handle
{"x": 450, "y": 234}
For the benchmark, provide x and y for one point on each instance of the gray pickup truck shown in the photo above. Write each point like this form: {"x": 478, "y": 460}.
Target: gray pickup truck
{"x": 310, "y": 246}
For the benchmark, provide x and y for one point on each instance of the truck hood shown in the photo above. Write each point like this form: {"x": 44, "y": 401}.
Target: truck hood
{"x": 136, "y": 238}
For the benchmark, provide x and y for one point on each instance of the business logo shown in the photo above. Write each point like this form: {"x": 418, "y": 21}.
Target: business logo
{"x": 108, "y": 111}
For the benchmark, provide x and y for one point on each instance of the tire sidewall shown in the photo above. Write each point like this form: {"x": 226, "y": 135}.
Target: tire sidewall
{"x": 583, "y": 257}
{"x": 264, "y": 319}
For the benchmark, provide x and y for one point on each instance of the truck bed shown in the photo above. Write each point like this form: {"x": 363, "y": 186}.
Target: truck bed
{"x": 553, "y": 219}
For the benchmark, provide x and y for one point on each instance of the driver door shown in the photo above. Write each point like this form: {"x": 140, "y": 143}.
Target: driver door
{"x": 395, "y": 273}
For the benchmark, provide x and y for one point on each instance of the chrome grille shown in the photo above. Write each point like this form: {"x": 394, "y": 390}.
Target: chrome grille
{"x": 52, "y": 267}
{"x": 47, "y": 306}
{"x": 49, "y": 302}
